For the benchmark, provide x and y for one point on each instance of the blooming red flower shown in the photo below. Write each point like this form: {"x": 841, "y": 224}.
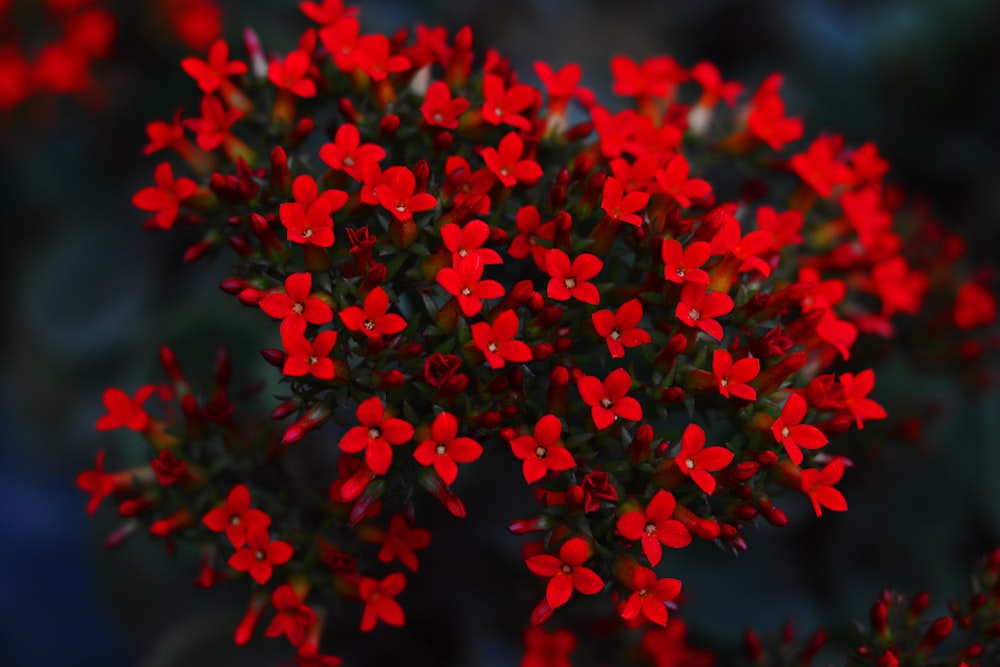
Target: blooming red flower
{"x": 619, "y": 329}
{"x": 713, "y": 88}
{"x": 440, "y": 109}
{"x": 444, "y": 450}
{"x": 856, "y": 390}
{"x": 236, "y": 517}
{"x": 462, "y": 241}
{"x": 767, "y": 120}
{"x": 655, "y": 527}
{"x": 818, "y": 485}
{"x": 608, "y": 400}
{"x": 346, "y": 153}
{"x": 543, "y": 450}
{"x": 292, "y": 74}
{"x": 373, "y": 56}
{"x": 297, "y": 306}
{"x": 125, "y": 411}
{"x": 340, "y": 38}
{"x": 375, "y": 435}
{"x": 674, "y": 181}
{"x": 400, "y": 541}
{"x": 327, "y": 11}
{"x": 572, "y": 280}
{"x": 696, "y": 461}
{"x": 466, "y": 186}
{"x": 656, "y": 77}
{"x": 293, "y": 616}
{"x": 650, "y": 596}
{"x": 792, "y": 434}
{"x": 732, "y": 377}
{"x": 395, "y": 194}
{"x": 682, "y": 265}
{"x": 259, "y": 554}
{"x": 373, "y": 320}
{"x": 464, "y": 282}
{"x": 547, "y": 649}
{"x": 974, "y": 307}
{"x": 566, "y": 572}
{"x": 530, "y": 230}
{"x": 496, "y": 340}
{"x": 506, "y": 163}
{"x": 621, "y": 206}
{"x": 784, "y": 228}
{"x": 212, "y": 73}
{"x": 307, "y": 219}
{"x": 698, "y": 307}
{"x": 212, "y": 127}
{"x": 308, "y": 358}
{"x": 819, "y": 166}
{"x": 379, "y": 603}
{"x": 100, "y": 484}
{"x": 166, "y": 197}
{"x": 502, "y": 105}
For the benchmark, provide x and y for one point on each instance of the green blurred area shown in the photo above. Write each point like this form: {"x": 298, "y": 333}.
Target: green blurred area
{"x": 91, "y": 297}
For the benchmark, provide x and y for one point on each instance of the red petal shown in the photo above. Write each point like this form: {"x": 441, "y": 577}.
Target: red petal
{"x": 558, "y": 590}
{"x": 586, "y": 581}
{"x": 544, "y": 565}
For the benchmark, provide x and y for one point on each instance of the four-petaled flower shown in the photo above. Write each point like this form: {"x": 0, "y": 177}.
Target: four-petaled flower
{"x": 166, "y": 197}
{"x": 543, "y": 451}
{"x": 608, "y": 400}
{"x": 375, "y": 435}
{"x": 293, "y": 616}
{"x": 818, "y": 485}
{"x": 444, "y": 450}
{"x": 506, "y": 162}
{"x": 621, "y": 206}
{"x": 674, "y": 181}
{"x": 789, "y": 430}
{"x": 379, "y": 603}
{"x": 260, "y": 554}
{"x": 395, "y": 194}
{"x": 297, "y": 305}
{"x": 572, "y": 280}
{"x": 464, "y": 282}
{"x": 856, "y": 390}
{"x": 682, "y": 265}
{"x": 619, "y": 329}
{"x": 373, "y": 320}
{"x": 212, "y": 128}
{"x": 212, "y": 73}
{"x": 650, "y": 596}
{"x": 698, "y": 308}
{"x": 496, "y": 340}
{"x": 697, "y": 461}
{"x": 440, "y": 109}
{"x": 655, "y": 527}
{"x": 400, "y": 541}
{"x": 125, "y": 411}
{"x": 346, "y": 153}
{"x": 468, "y": 240}
{"x": 733, "y": 377}
{"x": 292, "y": 74}
{"x": 305, "y": 357}
{"x": 236, "y": 516}
{"x": 566, "y": 572}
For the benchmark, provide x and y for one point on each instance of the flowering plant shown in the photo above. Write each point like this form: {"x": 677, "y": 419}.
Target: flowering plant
{"x": 659, "y": 316}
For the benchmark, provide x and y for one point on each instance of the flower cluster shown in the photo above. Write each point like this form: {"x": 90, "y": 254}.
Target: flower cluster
{"x": 454, "y": 262}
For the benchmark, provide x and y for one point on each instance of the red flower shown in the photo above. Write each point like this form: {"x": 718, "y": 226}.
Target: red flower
{"x": 682, "y": 265}
{"x": 292, "y": 74}
{"x": 440, "y": 109}
{"x": 674, "y": 181}
{"x": 348, "y": 154}
{"x": 443, "y": 450}
{"x": 732, "y": 378}
{"x": 259, "y": 555}
{"x": 373, "y": 56}
{"x": 374, "y": 320}
{"x": 327, "y": 11}
{"x": 792, "y": 434}
{"x": 547, "y": 649}
{"x": 211, "y": 74}
{"x": 505, "y": 106}
{"x": 619, "y": 329}
{"x": 784, "y": 228}
{"x": 395, "y": 194}
{"x": 296, "y": 306}
{"x": 695, "y": 461}
{"x": 608, "y": 400}
{"x": 713, "y": 88}
{"x": 544, "y": 451}
{"x": 650, "y": 596}
{"x": 621, "y": 206}
{"x": 506, "y": 163}
{"x": 529, "y": 230}
{"x": 379, "y": 603}
{"x": 655, "y": 77}
{"x": 462, "y": 241}
{"x": 293, "y": 617}
{"x": 856, "y": 390}
{"x": 375, "y": 435}
{"x": 100, "y": 484}
{"x": 496, "y": 340}
{"x": 571, "y": 280}
{"x": 212, "y": 128}
{"x": 125, "y": 411}
{"x": 698, "y": 307}
{"x": 655, "y": 527}
{"x": 400, "y": 541}
{"x": 819, "y": 166}
{"x": 236, "y": 517}
{"x": 340, "y": 38}
{"x": 308, "y": 358}
{"x": 818, "y": 485}
{"x": 974, "y": 307}
{"x": 164, "y": 199}
{"x": 464, "y": 283}
{"x": 767, "y": 121}
{"x": 566, "y": 573}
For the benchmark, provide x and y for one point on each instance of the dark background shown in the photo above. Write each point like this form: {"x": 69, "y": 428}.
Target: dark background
{"x": 90, "y": 296}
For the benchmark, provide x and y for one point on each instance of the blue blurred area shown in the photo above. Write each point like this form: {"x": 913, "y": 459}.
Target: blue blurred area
{"x": 90, "y": 297}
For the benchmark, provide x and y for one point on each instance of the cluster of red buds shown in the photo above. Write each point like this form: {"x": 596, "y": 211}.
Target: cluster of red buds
{"x": 658, "y": 312}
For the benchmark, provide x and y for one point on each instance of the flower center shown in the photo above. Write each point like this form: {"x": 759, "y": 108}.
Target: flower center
{"x": 784, "y": 432}
{"x": 497, "y": 111}
{"x": 234, "y": 520}
{"x": 724, "y": 382}
{"x": 400, "y": 207}
{"x": 650, "y": 528}
{"x": 438, "y": 117}
{"x": 570, "y": 283}
{"x": 694, "y": 314}
{"x": 440, "y": 450}
{"x": 492, "y": 347}
{"x": 643, "y": 593}
{"x": 349, "y": 161}
{"x": 370, "y": 325}
{"x": 462, "y": 252}
{"x": 541, "y": 452}
{"x": 466, "y": 291}
{"x": 606, "y": 403}
{"x": 615, "y": 334}
{"x": 298, "y": 308}
{"x": 312, "y": 360}
{"x": 374, "y": 432}
{"x": 690, "y": 464}
{"x": 681, "y": 271}
{"x": 306, "y": 234}
{"x": 567, "y": 568}
{"x": 260, "y": 555}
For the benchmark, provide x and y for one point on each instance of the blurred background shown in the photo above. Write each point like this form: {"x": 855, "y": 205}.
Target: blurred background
{"x": 90, "y": 297}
